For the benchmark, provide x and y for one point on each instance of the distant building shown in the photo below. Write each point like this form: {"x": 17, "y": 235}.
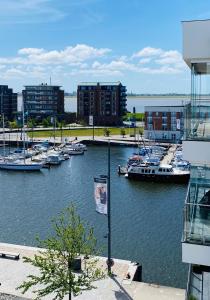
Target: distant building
{"x": 41, "y": 101}
{"x": 105, "y": 101}
{"x": 164, "y": 123}
{"x": 8, "y": 102}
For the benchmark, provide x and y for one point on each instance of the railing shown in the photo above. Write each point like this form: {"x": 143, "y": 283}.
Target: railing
{"x": 197, "y": 213}
{"x": 195, "y": 283}
{"x": 197, "y": 120}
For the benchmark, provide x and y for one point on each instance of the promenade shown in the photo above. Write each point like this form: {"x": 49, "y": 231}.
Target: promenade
{"x": 13, "y": 272}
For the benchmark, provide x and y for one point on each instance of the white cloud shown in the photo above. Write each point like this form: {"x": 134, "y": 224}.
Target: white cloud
{"x": 13, "y": 73}
{"x": 87, "y": 61}
{"x": 144, "y": 60}
{"x": 148, "y": 52}
{"x": 30, "y": 51}
{"x": 70, "y": 55}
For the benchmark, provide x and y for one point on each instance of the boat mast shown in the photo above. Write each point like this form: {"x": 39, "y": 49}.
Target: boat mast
{"x": 2, "y": 114}
{"x": 3, "y": 135}
{"x": 23, "y": 133}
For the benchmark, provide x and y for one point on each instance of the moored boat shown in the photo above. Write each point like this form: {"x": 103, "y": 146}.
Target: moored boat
{"x": 18, "y": 165}
{"x": 159, "y": 173}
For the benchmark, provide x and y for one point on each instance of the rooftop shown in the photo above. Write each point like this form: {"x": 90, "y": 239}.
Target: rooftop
{"x": 99, "y": 83}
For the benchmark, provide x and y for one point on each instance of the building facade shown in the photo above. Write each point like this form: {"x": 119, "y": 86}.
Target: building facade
{"x": 41, "y": 101}
{"x": 106, "y": 102}
{"x": 164, "y": 123}
{"x": 8, "y": 102}
{"x": 196, "y": 149}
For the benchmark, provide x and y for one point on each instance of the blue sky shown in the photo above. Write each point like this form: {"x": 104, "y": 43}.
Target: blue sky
{"x": 137, "y": 42}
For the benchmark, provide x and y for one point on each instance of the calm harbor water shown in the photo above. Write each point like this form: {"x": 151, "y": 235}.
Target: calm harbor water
{"x": 146, "y": 217}
{"x": 138, "y": 102}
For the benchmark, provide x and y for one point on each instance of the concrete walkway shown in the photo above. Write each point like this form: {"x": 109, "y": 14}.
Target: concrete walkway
{"x": 13, "y": 272}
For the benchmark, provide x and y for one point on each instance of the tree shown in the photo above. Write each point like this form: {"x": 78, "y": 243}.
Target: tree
{"x": 122, "y": 132}
{"x": 107, "y": 132}
{"x": 71, "y": 240}
{"x": 13, "y": 124}
{"x": 46, "y": 122}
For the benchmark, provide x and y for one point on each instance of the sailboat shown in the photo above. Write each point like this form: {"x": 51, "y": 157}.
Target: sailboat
{"x": 17, "y": 164}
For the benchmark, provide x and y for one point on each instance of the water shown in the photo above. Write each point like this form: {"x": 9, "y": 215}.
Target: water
{"x": 137, "y": 102}
{"x": 146, "y": 217}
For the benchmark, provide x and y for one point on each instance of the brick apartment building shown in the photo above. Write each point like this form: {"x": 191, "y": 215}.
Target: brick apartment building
{"x": 164, "y": 123}
{"x": 41, "y": 101}
{"x": 105, "y": 101}
{"x": 8, "y": 102}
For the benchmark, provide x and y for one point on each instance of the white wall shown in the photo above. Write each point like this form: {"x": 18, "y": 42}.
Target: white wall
{"x": 196, "y": 41}
{"x": 196, "y": 151}
{"x": 158, "y": 134}
{"x": 163, "y": 108}
{"x": 195, "y": 254}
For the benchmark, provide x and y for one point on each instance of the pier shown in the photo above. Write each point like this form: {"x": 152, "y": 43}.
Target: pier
{"x": 13, "y": 272}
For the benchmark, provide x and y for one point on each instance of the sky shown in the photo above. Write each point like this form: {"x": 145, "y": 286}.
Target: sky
{"x": 137, "y": 42}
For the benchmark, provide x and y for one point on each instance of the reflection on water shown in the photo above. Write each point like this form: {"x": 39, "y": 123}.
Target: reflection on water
{"x": 146, "y": 217}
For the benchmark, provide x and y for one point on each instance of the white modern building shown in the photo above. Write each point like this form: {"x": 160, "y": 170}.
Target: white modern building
{"x": 196, "y": 149}
{"x": 164, "y": 123}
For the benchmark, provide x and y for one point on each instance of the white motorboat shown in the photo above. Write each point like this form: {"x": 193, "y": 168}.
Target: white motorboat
{"x": 54, "y": 159}
{"x": 77, "y": 146}
{"x": 72, "y": 151}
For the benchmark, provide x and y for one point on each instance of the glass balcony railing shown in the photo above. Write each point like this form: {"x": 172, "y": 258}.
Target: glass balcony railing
{"x": 197, "y": 207}
{"x": 197, "y": 121}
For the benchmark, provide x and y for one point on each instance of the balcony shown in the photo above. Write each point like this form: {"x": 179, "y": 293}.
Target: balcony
{"x": 196, "y": 236}
{"x": 198, "y": 285}
{"x": 197, "y": 121}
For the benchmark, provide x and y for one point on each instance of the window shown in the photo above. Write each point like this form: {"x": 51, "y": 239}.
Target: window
{"x": 142, "y": 171}
{"x": 153, "y": 171}
{"x": 160, "y": 169}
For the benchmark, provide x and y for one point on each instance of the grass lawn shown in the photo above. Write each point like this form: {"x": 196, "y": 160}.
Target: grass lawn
{"x": 80, "y": 132}
{"x": 137, "y": 116}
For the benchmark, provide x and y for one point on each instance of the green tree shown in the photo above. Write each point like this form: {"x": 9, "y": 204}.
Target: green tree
{"x": 13, "y": 124}
{"x": 122, "y": 132}
{"x": 107, "y": 132}
{"x": 31, "y": 123}
{"x": 72, "y": 239}
{"x": 46, "y": 122}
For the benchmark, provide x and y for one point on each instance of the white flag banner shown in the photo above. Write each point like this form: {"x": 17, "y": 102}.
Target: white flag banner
{"x": 178, "y": 124}
{"x": 91, "y": 120}
{"x": 100, "y": 195}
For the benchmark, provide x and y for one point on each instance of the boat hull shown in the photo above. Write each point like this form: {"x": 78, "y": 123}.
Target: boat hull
{"x": 184, "y": 178}
{"x": 21, "y": 167}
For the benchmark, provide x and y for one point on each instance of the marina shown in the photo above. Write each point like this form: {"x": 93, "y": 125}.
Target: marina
{"x": 157, "y": 163}
{"x": 137, "y": 211}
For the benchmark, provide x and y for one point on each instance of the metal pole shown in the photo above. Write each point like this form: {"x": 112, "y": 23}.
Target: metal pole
{"x": 54, "y": 124}
{"x": 93, "y": 129}
{"x": 23, "y": 130}
{"x": 109, "y": 212}
{"x": 3, "y": 135}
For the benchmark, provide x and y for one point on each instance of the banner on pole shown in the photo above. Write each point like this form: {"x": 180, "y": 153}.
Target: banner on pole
{"x": 178, "y": 124}
{"x": 100, "y": 195}
{"x": 91, "y": 120}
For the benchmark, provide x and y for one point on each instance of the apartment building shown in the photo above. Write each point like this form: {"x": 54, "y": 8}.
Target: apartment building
{"x": 41, "y": 101}
{"x": 8, "y": 102}
{"x": 164, "y": 123}
{"x": 196, "y": 149}
{"x": 105, "y": 101}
